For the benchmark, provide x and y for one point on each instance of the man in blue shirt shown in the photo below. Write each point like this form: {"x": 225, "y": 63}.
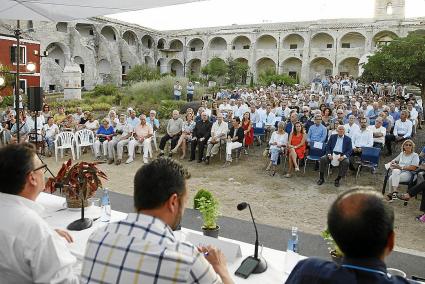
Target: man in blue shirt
{"x": 353, "y": 220}
{"x": 317, "y": 132}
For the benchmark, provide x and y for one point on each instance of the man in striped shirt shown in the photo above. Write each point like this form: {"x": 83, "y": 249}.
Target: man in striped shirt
{"x": 143, "y": 248}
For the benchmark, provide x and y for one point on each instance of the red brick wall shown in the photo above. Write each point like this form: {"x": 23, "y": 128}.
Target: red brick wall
{"x": 33, "y": 80}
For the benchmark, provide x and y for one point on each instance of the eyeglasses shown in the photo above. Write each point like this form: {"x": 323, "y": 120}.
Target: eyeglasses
{"x": 43, "y": 166}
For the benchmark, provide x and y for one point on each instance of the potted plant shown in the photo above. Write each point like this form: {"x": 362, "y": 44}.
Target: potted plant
{"x": 201, "y": 193}
{"x": 209, "y": 209}
{"x": 80, "y": 182}
{"x": 334, "y": 250}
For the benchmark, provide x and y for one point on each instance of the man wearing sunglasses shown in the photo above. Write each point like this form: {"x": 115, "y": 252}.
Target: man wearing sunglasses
{"x": 30, "y": 250}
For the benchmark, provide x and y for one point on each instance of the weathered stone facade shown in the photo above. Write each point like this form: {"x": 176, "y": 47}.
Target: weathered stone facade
{"x": 105, "y": 49}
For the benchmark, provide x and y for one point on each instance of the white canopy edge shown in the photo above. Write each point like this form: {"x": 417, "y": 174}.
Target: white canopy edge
{"x": 69, "y": 10}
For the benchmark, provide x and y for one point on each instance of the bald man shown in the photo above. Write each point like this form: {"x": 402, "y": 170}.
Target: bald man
{"x": 362, "y": 225}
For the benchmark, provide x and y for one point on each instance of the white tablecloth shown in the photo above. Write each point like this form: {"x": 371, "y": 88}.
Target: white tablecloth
{"x": 280, "y": 263}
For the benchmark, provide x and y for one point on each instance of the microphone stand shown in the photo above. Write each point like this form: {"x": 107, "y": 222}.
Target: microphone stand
{"x": 262, "y": 263}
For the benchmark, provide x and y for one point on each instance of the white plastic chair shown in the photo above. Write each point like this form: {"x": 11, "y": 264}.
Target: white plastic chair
{"x": 83, "y": 138}
{"x": 154, "y": 141}
{"x": 64, "y": 140}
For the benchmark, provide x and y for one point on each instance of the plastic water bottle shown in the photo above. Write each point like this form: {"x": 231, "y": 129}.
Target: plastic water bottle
{"x": 293, "y": 240}
{"x": 106, "y": 206}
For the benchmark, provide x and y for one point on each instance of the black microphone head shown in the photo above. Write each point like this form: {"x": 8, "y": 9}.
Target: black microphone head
{"x": 242, "y": 206}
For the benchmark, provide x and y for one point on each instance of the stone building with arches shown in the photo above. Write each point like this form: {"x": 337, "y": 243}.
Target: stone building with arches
{"x": 106, "y": 49}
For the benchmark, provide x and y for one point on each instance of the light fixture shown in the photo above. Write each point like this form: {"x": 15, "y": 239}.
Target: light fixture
{"x": 389, "y": 8}
{"x": 2, "y": 81}
{"x": 31, "y": 67}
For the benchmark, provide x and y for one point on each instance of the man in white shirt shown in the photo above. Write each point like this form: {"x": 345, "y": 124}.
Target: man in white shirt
{"x": 240, "y": 109}
{"x": 78, "y": 115}
{"x": 351, "y": 127}
{"x": 379, "y": 133}
{"x": 142, "y": 137}
{"x": 50, "y": 130}
{"x": 224, "y": 106}
{"x": 218, "y": 132}
{"x": 269, "y": 121}
{"x": 362, "y": 138}
{"x": 30, "y": 251}
{"x": 402, "y": 131}
{"x": 123, "y": 132}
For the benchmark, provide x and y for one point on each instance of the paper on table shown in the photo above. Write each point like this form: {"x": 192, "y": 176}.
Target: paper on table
{"x": 259, "y": 125}
{"x": 318, "y": 145}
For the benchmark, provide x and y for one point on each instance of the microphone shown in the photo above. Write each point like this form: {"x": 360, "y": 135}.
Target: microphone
{"x": 262, "y": 264}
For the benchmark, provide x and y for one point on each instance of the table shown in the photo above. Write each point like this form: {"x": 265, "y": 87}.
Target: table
{"x": 280, "y": 263}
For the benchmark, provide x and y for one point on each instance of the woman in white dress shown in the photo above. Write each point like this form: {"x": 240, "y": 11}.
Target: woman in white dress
{"x": 277, "y": 143}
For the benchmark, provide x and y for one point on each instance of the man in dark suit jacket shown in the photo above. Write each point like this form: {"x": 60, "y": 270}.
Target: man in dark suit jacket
{"x": 201, "y": 134}
{"x": 338, "y": 144}
{"x": 353, "y": 220}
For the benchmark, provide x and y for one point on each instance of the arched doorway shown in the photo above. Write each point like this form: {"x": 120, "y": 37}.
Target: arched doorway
{"x": 321, "y": 66}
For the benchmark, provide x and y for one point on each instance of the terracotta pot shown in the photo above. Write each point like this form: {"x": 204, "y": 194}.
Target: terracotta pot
{"x": 211, "y": 232}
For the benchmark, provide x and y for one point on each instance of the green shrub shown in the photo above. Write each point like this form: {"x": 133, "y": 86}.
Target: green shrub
{"x": 269, "y": 76}
{"x": 143, "y": 73}
{"x": 167, "y": 106}
{"x": 201, "y": 193}
{"x": 104, "y": 90}
{"x": 101, "y": 106}
{"x": 7, "y": 101}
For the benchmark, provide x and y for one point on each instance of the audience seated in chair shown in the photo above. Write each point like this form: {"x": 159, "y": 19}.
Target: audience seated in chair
{"x": 219, "y": 132}
{"x": 49, "y": 131}
{"x": 174, "y": 130}
{"x": 200, "y": 136}
{"x": 123, "y": 133}
{"x": 187, "y": 130}
{"x": 142, "y": 136}
{"x": 296, "y": 148}
{"x": 401, "y": 168}
{"x": 278, "y": 143}
{"x": 234, "y": 139}
{"x": 339, "y": 147}
{"x": 402, "y": 131}
{"x": 103, "y": 135}
{"x": 362, "y": 138}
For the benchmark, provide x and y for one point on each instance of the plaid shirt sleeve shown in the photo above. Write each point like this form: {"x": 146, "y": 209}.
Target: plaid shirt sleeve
{"x": 203, "y": 272}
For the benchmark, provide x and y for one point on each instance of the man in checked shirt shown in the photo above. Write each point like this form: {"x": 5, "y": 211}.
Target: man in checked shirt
{"x": 142, "y": 248}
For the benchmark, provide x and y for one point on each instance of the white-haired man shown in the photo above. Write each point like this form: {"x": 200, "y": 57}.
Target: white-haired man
{"x": 142, "y": 137}
{"x": 123, "y": 132}
{"x": 218, "y": 132}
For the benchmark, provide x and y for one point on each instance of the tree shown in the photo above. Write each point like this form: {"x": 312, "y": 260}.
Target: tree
{"x": 142, "y": 73}
{"x": 237, "y": 71}
{"x": 216, "y": 67}
{"x": 402, "y": 61}
{"x": 270, "y": 76}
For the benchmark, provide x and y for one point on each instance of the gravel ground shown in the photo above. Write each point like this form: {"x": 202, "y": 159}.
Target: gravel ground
{"x": 277, "y": 201}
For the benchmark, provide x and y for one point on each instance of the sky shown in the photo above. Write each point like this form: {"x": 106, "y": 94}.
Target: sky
{"x": 212, "y": 13}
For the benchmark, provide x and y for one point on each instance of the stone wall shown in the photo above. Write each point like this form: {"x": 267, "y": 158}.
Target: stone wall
{"x": 105, "y": 49}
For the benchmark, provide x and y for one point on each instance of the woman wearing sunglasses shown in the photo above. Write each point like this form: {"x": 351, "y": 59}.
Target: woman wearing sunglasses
{"x": 401, "y": 167}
